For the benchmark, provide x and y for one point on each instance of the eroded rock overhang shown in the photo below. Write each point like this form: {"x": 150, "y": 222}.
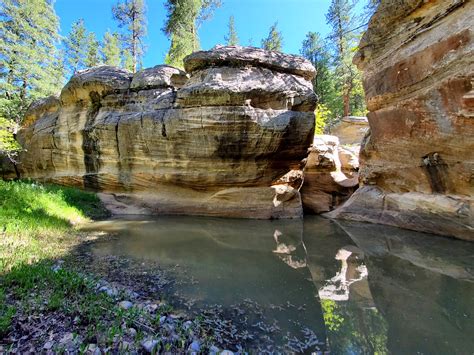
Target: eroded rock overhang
{"x": 209, "y": 141}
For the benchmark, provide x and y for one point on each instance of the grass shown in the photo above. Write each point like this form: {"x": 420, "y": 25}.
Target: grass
{"x": 38, "y": 225}
{"x": 43, "y": 299}
{"x": 36, "y": 219}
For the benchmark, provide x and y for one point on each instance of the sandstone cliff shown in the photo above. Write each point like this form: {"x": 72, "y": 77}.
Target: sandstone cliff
{"x": 417, "y": 163}
{"x": 210, "y": 141}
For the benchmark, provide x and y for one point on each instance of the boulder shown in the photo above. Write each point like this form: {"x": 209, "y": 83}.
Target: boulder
{"x": 416, "y": 162}
{"x": 325, "y": 185}
{"x": 237, "y": 56}
{"x": 212, "y": 141}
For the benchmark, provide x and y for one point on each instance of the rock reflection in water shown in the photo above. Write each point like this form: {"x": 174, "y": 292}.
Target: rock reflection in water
{"x": 423, "y": 286}
{"x": 234, "y": 264}
{"x": 364, "y": 288}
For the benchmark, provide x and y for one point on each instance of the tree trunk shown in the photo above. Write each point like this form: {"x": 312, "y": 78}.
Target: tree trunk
{"x": 346, "y": 99}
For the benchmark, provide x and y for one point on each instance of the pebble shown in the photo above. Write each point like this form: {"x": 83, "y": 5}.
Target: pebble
{"x": 67, "y": 338}
{"x": 187, "y": 325}
{"x": 109, "y": 291}
{"x": 195, "y": 346}
{"x": 93, "y": 349}
{"x": 226, "y": 352}
{"x": 126, "y": 304}
{"x": 48, "y": 345}
{"x": 132, "y": 332}
{"x": 213, "y": 350}
{"x": 162, "y": 319}
{"x": 149, "y": 345}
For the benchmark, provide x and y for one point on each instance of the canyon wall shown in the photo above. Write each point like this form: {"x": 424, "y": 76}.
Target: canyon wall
{"x": 417, "y": 161}
{"x": 213, "y": 140}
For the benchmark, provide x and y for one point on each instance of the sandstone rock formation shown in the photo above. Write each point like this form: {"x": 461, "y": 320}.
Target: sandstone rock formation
{"x": 350, "y": 130}
{"x": 209, "y": 142}
{"x": 325, "y": 185}
{"x": 417, "y": 163}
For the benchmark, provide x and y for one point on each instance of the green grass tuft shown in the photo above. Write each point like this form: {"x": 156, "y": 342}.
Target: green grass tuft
{"x": 34, "y": 219}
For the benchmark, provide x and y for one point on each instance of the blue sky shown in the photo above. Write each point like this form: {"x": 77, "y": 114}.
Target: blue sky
{"x": 253, "y": 19}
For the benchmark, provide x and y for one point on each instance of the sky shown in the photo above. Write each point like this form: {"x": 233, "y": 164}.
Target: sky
{"x": 253, "y": 19}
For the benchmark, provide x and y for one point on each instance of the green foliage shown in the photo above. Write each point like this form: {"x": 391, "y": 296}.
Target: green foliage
{"x": 316, "y": 51}
{"x": 31, "y": 209}
{"x": 232, "y": 39}
{"x": 354, "y": 330}
{"x": 8, "y": 145}
{"x": 332, "y": 319}
{"x": 35, "y": 225}
{"x": 111, "y": 49}
{"x": 323, "y": 118}
{"x": 92, "y": 58}
{"x": 6, "y": 313}
{"x": 131, "y": 16}
{"x": 28, "y": 55}
{"x": 127, "y": 61}
{"x": 344, "y": 93}
{"x": 183, "y": 20}
{"x": 76, "y": 45}
{"x": 181, "y": 29}
{"x": 274, "y": 40}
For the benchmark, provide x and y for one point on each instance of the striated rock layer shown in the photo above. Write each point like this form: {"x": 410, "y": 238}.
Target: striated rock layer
{"x": 328, "y": 180}
{"x": 417, "y": 162}
{"x": 208, "y": 142}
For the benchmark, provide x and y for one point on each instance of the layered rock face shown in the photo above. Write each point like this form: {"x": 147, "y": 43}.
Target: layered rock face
{"x": 210, "y": 141}
{"x": 328, "y": 180}
{"x": 417, "y": 163}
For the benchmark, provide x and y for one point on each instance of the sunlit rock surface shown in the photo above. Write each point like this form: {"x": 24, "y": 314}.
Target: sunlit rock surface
{"x": 350, "y": 130}
{"x": 210, "y": 142}
{"x": 417, "y": 163}
{"x": 327, "y": 182}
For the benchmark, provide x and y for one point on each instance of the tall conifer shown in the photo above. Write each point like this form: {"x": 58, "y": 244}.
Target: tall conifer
{"x": 232, "y": 39}
{"x": 131, "y": 16}
{"x": 76, "y": 46}
{"x": 274, "y": 40}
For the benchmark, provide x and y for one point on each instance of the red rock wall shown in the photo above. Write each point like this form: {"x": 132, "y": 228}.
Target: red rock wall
{"x": 417, "y": 59}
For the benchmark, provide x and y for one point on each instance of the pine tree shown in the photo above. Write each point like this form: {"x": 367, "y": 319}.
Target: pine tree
{"x": 274, "y": 40}
{"x": 28, "y": 62}
{"x": 315, "y": 50}
{"x": 92, "y": 57}
{"x": 340, "y": 17}
{"x": 111, "y": 49}
{"x": 28, "y": 54}
{"x": 131, "y": 15}
{"x": 183, "y": 20}
{"x": 232, "y": 39}
{"x": 76, "y": 46}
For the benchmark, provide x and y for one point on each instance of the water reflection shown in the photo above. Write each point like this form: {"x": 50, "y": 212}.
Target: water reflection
{"x": 422, "y": 285}
{"x": 363, "y": 289}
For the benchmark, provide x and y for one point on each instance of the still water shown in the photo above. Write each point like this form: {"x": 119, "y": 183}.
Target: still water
{"x": 304, "y": 285}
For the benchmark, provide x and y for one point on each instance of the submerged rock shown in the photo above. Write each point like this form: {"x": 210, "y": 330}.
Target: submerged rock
{"x": 210, "y": 142}
{"x": 417, "y": 161}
